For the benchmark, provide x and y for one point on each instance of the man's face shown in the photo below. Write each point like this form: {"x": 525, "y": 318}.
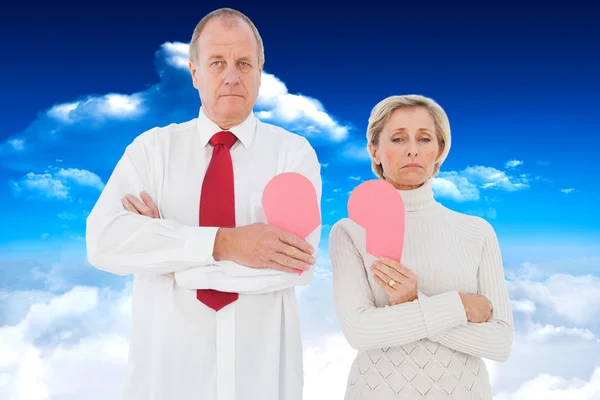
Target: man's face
{"x": 227, "y": 74}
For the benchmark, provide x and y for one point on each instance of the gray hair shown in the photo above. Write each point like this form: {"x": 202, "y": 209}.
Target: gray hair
{"x": 230, "y": 16}
{"x": 383, "y": 110}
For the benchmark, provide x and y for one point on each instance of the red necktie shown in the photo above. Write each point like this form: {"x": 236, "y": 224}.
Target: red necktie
{"x": 217, "y": 205}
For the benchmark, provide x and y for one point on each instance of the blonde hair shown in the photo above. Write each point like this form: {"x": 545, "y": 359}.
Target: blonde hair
{"x": 382, "y": 112}
{"x": 230, "y": 16}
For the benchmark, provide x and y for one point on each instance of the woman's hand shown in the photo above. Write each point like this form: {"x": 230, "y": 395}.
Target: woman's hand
{"x": 477, "y": 307}
{"x": 399, "y": 282}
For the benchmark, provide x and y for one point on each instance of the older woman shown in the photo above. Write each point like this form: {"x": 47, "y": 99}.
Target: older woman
{"x": 421, "y": 326}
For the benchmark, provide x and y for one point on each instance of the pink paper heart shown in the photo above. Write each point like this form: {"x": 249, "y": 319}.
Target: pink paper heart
{"x": 377, "y": 206}
{"x": 290, "y": 203}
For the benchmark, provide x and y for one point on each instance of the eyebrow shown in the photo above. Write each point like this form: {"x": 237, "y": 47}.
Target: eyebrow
{"x": 220, "y": 57}
{"x": 425, "y": 130}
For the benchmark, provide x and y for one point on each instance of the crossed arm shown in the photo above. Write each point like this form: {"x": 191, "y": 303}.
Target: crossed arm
{"x": 440, "y": 318}
{"x": 123, "y": 243}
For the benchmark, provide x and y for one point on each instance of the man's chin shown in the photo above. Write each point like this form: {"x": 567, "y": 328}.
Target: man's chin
{"x": 233, "y": 111}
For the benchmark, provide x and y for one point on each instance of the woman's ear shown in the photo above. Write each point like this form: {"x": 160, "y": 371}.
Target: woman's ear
{"x": 373, "y": 152}
{"x": 440, "y": 151}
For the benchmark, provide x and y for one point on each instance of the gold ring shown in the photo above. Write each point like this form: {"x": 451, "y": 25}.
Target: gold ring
{"x": 391, "y": 283}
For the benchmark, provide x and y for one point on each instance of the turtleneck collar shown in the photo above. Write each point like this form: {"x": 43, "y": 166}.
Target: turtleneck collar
{"x": 420, "y": 198}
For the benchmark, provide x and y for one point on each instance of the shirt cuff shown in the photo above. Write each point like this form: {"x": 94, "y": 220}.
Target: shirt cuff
{"x": 442, "y": 312}
{"x": 199, "y": 245}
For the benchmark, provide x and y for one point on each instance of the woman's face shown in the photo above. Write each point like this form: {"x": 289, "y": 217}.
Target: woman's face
{"x": 408, "y": 148}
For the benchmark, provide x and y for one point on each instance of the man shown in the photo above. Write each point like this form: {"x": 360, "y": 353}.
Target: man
{"x": 214, "y": 314}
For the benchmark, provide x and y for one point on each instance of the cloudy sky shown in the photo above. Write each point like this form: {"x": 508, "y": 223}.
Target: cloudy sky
{"x": 521, "y": 91}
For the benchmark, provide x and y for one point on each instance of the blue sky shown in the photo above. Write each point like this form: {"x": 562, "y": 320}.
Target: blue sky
{"x": 520, "y": 87}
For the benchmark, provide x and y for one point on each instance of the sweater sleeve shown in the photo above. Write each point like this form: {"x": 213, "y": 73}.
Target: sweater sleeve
{"x": 492, "y": 339}
{"x": 367, "y": 326}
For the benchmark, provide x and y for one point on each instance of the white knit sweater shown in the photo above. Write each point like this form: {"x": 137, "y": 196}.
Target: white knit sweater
{"x": 424, "y": 349}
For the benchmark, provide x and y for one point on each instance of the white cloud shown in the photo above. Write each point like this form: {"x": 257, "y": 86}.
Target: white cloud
{"x": 82, "y": 177}
{"x": 525, "y": 306}
{"x": 489, "y": 177}
{"x": 62, "y": 111}
{"x": 304, "y": 114}
{"x": 177, "y": 54}
{"x": 466, "y": 185}
{"x": 86, "y": 331}
{"x": 55, "y": 184}
{"x": 549, "y": 387}
{"x": 111, "y": 105}
{"x": 326, "y": 368}
{"x": 575, "y": 299}
{"x": 567, "y": 191}
{"x": 70, "y": 365}
{"x": 544, "y": 333}
{"x": 513, "y": 163}
{"x": 42, "y": 184}
{"x": 453, "y": 186}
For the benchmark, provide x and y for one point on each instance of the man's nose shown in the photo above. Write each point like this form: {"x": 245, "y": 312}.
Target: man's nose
{"x": 231, "y": 74}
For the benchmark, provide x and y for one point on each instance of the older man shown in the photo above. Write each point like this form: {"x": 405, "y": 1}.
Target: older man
{"x": 214, "y": 313}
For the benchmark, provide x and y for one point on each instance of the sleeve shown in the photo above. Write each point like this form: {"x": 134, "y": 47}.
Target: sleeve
{"x": 367, "y": 326}
{"x": 492, "y": 339}
{"x": 122, "y": 243}
{"x": 229, "y": 276}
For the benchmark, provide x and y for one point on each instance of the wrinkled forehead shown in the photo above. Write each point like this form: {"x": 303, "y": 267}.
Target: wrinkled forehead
{"x": 228, "y": 39}
{"x": 410, "y": 120}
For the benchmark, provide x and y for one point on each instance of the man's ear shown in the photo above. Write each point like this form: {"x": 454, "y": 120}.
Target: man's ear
{"x": 193, "y": 69}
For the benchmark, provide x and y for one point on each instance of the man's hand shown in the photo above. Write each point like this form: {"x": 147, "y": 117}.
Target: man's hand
{"x": 399, "y": 282}
{"x": 256, "y": 245}
{"x": 477, "y": 307}
{"x": 145, "y": 207}
{"x": 263, "y": 246}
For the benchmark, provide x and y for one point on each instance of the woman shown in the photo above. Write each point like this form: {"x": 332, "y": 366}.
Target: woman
{"x": 422, "y": 326}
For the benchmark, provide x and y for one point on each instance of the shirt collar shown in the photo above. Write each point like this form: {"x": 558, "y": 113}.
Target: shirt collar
{"x": 244, "y": 131}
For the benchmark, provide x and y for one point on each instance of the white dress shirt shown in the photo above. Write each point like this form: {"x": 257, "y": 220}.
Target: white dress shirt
{"x": 180, "y": 348}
